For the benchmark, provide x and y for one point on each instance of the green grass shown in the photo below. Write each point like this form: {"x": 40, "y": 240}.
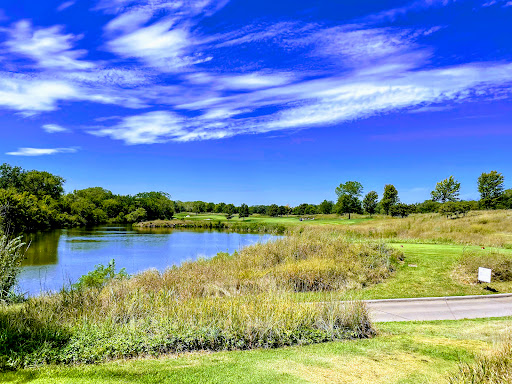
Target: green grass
{"x": 429, "y": 270}
{"x": 434, "y": 274}
{"x": 285, "y": 220}
{"x": 426, "y": 352}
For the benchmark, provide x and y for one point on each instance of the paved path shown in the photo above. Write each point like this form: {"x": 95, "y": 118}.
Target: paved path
{"x": 441, "y": 308}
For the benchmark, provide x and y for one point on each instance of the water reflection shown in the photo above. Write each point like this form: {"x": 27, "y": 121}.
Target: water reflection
{"x": 57, "y": 258}
{"x": 42, "y": 248}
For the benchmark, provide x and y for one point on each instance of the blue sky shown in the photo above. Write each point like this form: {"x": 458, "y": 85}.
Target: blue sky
{"x": 257, "y": 101}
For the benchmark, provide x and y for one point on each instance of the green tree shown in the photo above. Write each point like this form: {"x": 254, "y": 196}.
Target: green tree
{"x": 389, "y": 198}
{"x": 136, "y": 216}
{"x": 401, "y": 209}
{"x": 43, "y": 184}
{"x": 243, "y": 211}
{"x": 326, "y": 207}
{"x": 446, "y": 190}
{"x": 219, "y": 208}
{"x": 158, "y": 205}
{"x": 229, "y": 210}
{"x": 490, "y": 186}
{"x": 273, "y": 210}
{"x": 506, "y": 200}
{"x": 198, "y": 207}
{"x": 370, "y": 202}
{"x": 348, "y": 204}
{"x": 300, "y": 209}
{"x": 210, "y": 207}
{"x": 284, "y": 210}
{"x": 11, "y": 177}
{"x": 349, "y": 194}
{"x": 428, "y": 206}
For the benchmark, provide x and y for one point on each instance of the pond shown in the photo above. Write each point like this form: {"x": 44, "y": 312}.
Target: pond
{"x": 58, "y": 258}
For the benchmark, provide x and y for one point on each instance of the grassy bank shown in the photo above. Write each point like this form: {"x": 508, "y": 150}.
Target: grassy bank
{"x": 428, "y": 352}
{"x": 241, "y": 301}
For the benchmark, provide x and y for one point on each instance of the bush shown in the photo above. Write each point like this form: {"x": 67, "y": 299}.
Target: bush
{"x": 11, "y": 256}
{"x": 100, "y": 276}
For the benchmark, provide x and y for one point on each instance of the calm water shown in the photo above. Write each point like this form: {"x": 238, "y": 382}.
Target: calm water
{"x": 59, "y": 257}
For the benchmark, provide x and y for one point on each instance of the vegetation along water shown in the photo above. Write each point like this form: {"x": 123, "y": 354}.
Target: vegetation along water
{"x": 277, "y": 276}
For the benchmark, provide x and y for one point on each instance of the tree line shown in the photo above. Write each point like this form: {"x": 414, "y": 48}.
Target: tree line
{"x": 444, "y": 198}
{"x": 35, "y": 200}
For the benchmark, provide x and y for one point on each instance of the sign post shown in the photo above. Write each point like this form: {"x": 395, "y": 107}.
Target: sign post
{"x": 484, "y": 274}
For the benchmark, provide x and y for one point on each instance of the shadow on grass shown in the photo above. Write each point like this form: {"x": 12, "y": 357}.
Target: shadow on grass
{"x": 26, "y": 340}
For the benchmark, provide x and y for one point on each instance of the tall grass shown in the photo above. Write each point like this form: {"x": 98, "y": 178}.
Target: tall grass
{"x": 490, "y": 228}
{"x": 491, "y": 368}
{"x": 238, "y": 301}
{"x": 309, "y": 259}
{"x": 11, "y": 256}
{"x": 500, "y": 263}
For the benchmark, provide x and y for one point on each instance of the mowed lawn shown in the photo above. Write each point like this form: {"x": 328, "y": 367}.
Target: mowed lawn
{"x": 286, "y": 220}
{"x": 419, "y": 352}
{"x": 431, "y": 270}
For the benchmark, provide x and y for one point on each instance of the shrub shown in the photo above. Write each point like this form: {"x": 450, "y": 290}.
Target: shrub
{"x": 100, "y": 276}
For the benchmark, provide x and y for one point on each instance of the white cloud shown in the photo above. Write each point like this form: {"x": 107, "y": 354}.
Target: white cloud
{"x": 48, "y": 47}
{"x": 40, "y": 151}
{"x": 110, "y": 77}
{"x": 186, "y": 8}
{"x": 318, "y": 102}
{"x": 130, "y": 20}
{"x": 148, "y": 128}
{"x": 159, "y": 45}
{"x": 414, "y": 6}
{"x": 255, "y": 80}
{"x": 40, "y": 93}
{"x": 54, "y": 128}
{"x": 66, "y": 5}
{"x": 24, "y": 93}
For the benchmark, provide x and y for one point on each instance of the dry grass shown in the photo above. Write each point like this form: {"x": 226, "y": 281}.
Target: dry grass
{"x": 489, "y": 228}
{"x": 500, "y": 263}
{"x": 309, "y": 259}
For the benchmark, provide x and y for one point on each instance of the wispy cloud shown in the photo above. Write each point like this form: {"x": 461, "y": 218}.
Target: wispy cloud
{"x": 24, "y": 93}
{"x": 148, "y": 128}
{"x": 54, "y": 128}
{"x": 158, "y": 45}
{"x": 191, "y": 85}
{"x": 312, "y": 103}
{"x": 66, "y": 5}
{"x": 414, "y": 6}
{"x": 168, "y": 43}
{"x": 40, "y": 151}
{"x": 48, "y": 47}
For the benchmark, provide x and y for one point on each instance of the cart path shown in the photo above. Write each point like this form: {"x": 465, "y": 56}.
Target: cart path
{"x": 440, "y": 308}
